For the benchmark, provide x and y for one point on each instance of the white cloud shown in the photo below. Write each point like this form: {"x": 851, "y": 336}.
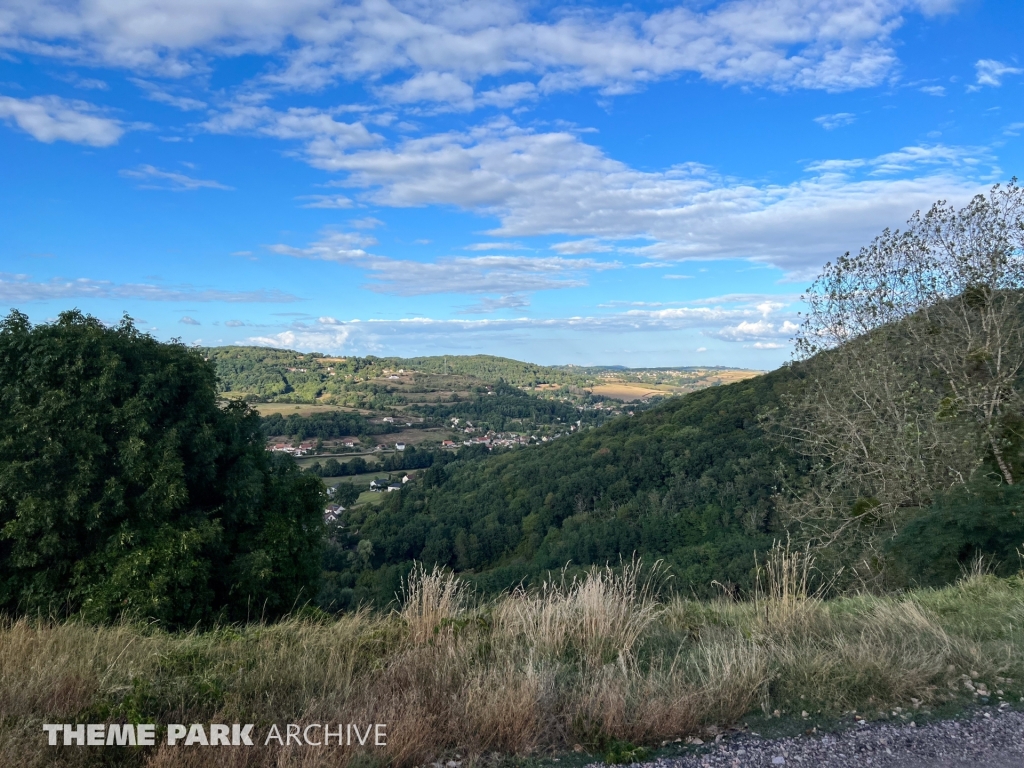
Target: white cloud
{"x": 156, "y": 93}
{"x": 837, "y": 120}
{"x": 991, "y": 72}
{"x": 493, "y": 247}
{"x": 758, "y": 329}
{"x": 487, "y": 305}
{"x": 678, "y": 277}
{"x": 503, "y": 275}
{"x": 327, "y": 201}
{"x": 432, "y": 86}
{"x": 442, "y": 48}
{"x": 186, "y": 320}
{"x": 21, "y": 288}
{"x": 555, "y": 184}
{"x": 154, "y": 178}
{"x": 51, "y": 118}
{"x": 324, "y": 136}
{"x": 85, "y": 83}
{"x": 578, "y": 247}
{"x": 933, "y": 90}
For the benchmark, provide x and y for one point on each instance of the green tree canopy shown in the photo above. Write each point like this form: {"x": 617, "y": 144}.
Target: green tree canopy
{"x": 127, "y": 489}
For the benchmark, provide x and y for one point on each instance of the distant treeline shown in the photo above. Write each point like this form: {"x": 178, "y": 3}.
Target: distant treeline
{"x": 325, "y": 426}
{"x": 410, "y": 458}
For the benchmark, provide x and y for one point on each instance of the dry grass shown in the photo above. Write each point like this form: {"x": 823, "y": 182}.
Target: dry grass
{"x": 590, "y": 661}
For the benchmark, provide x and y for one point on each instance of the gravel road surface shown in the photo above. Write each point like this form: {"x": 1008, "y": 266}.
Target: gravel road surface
{"x": 988, "y": 738}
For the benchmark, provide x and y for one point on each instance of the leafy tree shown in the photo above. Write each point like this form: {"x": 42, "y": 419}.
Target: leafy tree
{"x": 345, "y": 494}
{"x": 127, "y": 489}
{"x": 918, "y": 347}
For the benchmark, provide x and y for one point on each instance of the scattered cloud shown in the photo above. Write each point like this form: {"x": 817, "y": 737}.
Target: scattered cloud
{"x": 678, "y": 277}
{"x": 493, "y": 247}
{"x": 933, "y": 90}
{"x": 837, "y": 120}
{"x": 324, "y": 136}
{"x": 488, "y": 305}
{"x": 991, "y": 72}
{"x": 556, "y": 184}
{"x": 440, "y": 51}
{"x": 578, "y": 247}
{"x": 51, "y": 118}
{"x": 21, "y": 288}
{"x": 327, "y": 201}
{"x": 758, "y": 329}
{"x": 155, "y": 93}
{"x": 502, "y": 275}
{"x": 85, "y": 83}
{"x": 186, "y": 320}
{"x": 154, "y": 178}
{"x": 739, "y": 321}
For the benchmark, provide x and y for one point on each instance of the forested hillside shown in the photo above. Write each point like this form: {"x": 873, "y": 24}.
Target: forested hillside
{"x": 275, "y": 374}
{"x": 690, "y": 481}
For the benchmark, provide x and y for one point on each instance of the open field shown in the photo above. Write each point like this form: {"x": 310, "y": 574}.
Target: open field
{"x": 604, "y": 663}
{"x": 634, "y": 385}
{"x": 287, "y": 409}
{"x": 729, "y": 376}
{"x": 625, "y": 392}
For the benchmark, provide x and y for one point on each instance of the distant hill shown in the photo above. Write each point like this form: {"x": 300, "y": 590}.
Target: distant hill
{"x": 263, "y": 374}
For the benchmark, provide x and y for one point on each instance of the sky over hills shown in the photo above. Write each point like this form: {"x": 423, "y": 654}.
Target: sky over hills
{"x": 644, "y": 184}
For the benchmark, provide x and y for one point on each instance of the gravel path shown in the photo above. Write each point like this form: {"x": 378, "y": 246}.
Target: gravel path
{"x": 988, "y": 738}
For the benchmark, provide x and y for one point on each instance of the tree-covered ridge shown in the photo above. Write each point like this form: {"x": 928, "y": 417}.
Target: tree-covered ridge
{"x": 691, "y": 481}
{"x": 274, "y": 374}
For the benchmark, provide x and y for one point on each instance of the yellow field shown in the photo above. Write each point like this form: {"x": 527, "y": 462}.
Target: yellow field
{"x": 625, "y": 392}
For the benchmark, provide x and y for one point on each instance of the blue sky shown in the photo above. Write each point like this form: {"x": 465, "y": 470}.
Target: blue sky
{"x": 650, "y": 184}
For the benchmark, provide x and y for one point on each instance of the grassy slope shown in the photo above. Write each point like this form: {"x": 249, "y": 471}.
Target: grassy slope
{"x": 595, "y": 663}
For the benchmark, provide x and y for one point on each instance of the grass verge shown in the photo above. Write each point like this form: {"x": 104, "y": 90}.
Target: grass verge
{"x": 603, "y": 666}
